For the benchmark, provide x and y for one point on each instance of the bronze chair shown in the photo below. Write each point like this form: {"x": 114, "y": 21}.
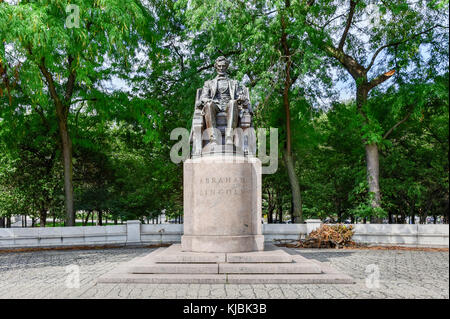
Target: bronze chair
{"x": 199, "y": 125}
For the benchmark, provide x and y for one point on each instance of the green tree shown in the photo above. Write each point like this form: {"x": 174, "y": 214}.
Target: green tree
{"x": 65, "y": 59}
{"x": 30, "y": 168}
{"x": 372, "y": 41}
{"x": 268, "y": 49}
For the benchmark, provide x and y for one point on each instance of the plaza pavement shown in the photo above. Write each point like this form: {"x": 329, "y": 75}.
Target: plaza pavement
{"x": 402, "y": 274}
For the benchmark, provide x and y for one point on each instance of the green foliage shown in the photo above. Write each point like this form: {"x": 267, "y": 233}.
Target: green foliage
{"x": 160, "y": 52}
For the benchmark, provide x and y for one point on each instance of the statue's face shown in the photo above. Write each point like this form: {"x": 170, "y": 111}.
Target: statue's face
{"x": 221, "y": 67}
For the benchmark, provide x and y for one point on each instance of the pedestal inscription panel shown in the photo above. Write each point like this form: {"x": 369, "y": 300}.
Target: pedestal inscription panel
{"x": 222, "y": 204}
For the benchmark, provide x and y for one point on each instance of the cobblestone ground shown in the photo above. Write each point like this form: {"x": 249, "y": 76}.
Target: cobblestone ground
{"x": 403, "y": 274}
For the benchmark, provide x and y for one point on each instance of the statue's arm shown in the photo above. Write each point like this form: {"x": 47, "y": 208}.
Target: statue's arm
{"x": 242, "y": 97}
{"x": 205, "y": 92}
{"x": 205, "y": 96}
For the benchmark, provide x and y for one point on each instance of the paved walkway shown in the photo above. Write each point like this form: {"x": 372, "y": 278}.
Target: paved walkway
{"x": 48, "y": 274}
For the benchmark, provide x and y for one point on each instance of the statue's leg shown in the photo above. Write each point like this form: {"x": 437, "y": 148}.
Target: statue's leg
{"x": 210, "y": 110}
{"x": 232, "y": 119}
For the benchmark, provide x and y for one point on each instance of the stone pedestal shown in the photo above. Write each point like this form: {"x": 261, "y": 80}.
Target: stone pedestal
{"x": 274, "y": 265}
{"x": 222, "y": 204}
{"x": 223, "y": 242}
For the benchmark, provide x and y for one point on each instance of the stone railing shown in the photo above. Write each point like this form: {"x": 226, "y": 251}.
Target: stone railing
{"x": 418, "y": 235}
{"x": 135, "y": 233}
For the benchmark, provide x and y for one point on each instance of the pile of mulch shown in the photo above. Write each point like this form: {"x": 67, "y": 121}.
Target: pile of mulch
{"x": 297, "y": 244}
{"x": 401, "y": 248}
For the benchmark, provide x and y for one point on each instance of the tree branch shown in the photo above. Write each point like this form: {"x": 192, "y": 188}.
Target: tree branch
{"x": 331, "y": 20}
{"x": 348, "y": 24}
{"x": 70, "y": 84}
{"x": 51, "y": 84}
{"x": 372, "y": 61}
{"x": 82, "y": 100}
{"x": 380, "y": 79}
{"x": 351, "y": 65}
{"x": 179, "y": 55}
{"x": 397, "y": 124}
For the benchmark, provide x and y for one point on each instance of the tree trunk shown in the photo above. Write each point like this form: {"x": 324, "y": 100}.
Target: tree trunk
{"x": 87, "y": 218}
{"x": 372, "y": 157}
{"x": 2, "y": 222}
{"x": 269, "y": 206}
{"x": 422, "y": 218}
{"x": 43, "y": 217}
{"x": 280, "y": 213}
{"x": 445, "y": 217}
{"x": 373, "y": 174}
{"x": 270, "y": 215}
{"x": 66, "y": 145}
{"x": 288, "y": 158}
{"x": 100, "y": 218}
{"x": 295, "y": 189}
{"x": 292, "y": 211}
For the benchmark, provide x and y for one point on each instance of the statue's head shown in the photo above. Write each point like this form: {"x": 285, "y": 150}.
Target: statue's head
{"x": 221, "y": 65}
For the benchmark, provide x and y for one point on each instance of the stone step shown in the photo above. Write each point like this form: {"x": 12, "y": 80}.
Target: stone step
{"x": 267, "y": 268}
{"x": 271, "y": 254}
{"x": 176, "y": 268}
{"x": 163, "y": 278}
{"x": 225, "y": 279}
{"x": 300, "y": 270}
{"x": 225, "y": 268}
{"x": 173, "y": 254}
{"x": 290, "y": 279}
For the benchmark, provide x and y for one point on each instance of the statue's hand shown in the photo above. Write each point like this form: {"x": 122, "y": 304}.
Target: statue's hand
{"x": 199, "y": 105}
{"x": 242, "y": 101}
{"x": 206, "y": 100}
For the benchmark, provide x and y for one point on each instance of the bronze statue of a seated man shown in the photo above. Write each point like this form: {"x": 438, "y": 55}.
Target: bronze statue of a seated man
{"x": 222, "y": 94}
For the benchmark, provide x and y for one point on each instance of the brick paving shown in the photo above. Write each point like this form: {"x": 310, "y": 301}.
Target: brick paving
{"x": 50, "y": 274}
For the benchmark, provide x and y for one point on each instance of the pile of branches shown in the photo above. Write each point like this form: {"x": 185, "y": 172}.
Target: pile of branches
{"x": 327, "y": 236}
